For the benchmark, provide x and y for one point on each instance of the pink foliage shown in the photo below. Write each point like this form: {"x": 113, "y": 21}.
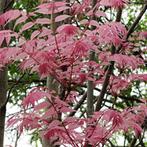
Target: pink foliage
{"x": 100, "y": 127}
{"x": 114, "y": 3}
{"x": 68, "y": 30}
{"x": 64, "y": 55}
{"x": 117, "y": 85}
{"x": 9, "y": 16}
{"x": 139, "y": 77}
{"x": 144, "y": 34}
{"x": 126, "y": 61}
{"x": 113, "y": 33}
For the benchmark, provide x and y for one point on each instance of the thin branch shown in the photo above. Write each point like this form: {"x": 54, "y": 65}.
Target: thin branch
{"x": 17, "y": 138}
{"x": 67, "y": 133}
{"x": 8, "y": 5}
{"x": 78, "y": 104}
{"x": 138, "y": 3}
{"x": 112, "y": 145}
{"x": 133, "y": 142}
{"x": 131, "y": 98}
{"x": 141, "y": 140}
{"x": 119, "y": 14}
{"x": 109, "y": 71}
{"x": 27, "y": 81}
{"x": 111, "y": 66}
{"x": 11, "y": 89}
{"x": 132, "y": 28}
{"x": 105, "y": 85}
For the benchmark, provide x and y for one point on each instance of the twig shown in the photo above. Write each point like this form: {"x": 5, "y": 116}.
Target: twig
{"x": 109, "y": 71}
{"x": 112, "y": 145}
{"x": 133, "y": 142}
{"x": 111, "y": 66}
{"x": 8, "y": 97}
{"x": 66, "y": 131}
{"x": 136, "y": 21}
{"x": 78, "y": 104}
{"x": 17, "y": 138}
{"x": 8, "y": 5}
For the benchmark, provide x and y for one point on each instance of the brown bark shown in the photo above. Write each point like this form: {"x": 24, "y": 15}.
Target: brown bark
{"x": 4, "y": 6}
{"x": 3, "y": 98}
{"x": 2, "y": 95}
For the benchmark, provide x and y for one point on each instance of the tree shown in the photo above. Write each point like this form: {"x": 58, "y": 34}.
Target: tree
{"x": 4, "y": 6}
{"x": 93, "y": 59}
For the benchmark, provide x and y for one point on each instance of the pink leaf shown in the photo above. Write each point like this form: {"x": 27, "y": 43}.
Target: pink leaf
{"x": 35, "y": 34}
{"x": 100, "y": 13}
{"x": 2, "y": 19}
{"x": 60, "y": 9}
{"x": 44, "y": 11}
{"x": 114, "y": 3}
{"x": 43, "y": 21}
{"x": 140, "y": 77}
{"x": 61, "y": 17}
{"x": 27, "y": 26}
{"x": 68, "y": 30}
{"x": 1, "y": 39}
{"x": 21, "y": 20}
{"x": 34, "y": 97}
{"x": 42, "y": 105}
{"x": 112, "y": 33}
{"x": 143, "y": 34}
{"x": 11, "y": 15}
{"x": 21, "y": 56}
{"x": 94, "y": 23}
{"x": 49, "y": 113}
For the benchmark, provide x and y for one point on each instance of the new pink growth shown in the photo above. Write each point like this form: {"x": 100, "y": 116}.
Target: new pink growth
{"x": 80, "y": 48}
{"x": 64, "y": 55}
{"x": 68, "y": 30}
{"x": 114, "y": 3}
{"x": 144, "y": 34}
{"x": 112, "y": 33}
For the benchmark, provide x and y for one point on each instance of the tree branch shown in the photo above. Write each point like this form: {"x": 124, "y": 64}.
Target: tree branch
{"x": 132, "y": 28}
{"x": 78, "y": 104}
{"x": 111, "y": 66}
{"x": 90, "y": 85}
{"x": 109, "y": 71}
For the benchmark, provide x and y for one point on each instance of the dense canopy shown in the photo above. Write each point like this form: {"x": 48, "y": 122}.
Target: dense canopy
{"x": 77, "y": 71}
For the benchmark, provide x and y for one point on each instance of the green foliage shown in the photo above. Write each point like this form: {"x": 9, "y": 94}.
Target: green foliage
{"x": 28, "y": 5}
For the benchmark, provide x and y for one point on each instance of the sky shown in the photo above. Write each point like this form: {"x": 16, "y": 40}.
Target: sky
{"x": 10, "y": 135}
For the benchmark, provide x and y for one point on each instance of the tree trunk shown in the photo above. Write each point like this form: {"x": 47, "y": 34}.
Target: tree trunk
{"x": 3, "y": 98}
{"x": 2, "y": 93}
{"x": 4, "y": 6}
{"x": 51, "y": 83}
